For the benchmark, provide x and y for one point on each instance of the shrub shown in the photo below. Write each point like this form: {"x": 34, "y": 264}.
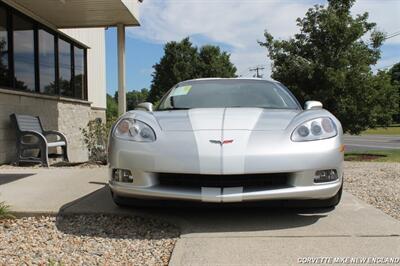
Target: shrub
{"x": 95, "y": 137}
{"x": 5, "y": 211}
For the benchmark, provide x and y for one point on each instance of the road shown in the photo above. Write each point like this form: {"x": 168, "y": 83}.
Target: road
{"x": 371, "y": 142}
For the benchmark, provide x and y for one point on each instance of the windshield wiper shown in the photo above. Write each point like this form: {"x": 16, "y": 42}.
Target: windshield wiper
{"x": 174, "y": 108}
{"x": 263, "y": 107}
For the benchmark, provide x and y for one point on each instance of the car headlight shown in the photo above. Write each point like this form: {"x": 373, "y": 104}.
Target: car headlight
{"x": 316, "y": 129}
{"x": 135, "y": 130}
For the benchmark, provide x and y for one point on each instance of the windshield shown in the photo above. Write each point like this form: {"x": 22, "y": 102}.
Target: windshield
{"x": 220, "y": 93}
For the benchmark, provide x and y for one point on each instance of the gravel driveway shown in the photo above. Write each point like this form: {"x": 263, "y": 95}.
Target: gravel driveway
{"x": 86, "y": 240}
{"x": 375, "y": 183}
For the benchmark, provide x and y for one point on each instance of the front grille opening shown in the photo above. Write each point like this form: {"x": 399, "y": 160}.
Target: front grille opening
{"x": 273, "y": 180}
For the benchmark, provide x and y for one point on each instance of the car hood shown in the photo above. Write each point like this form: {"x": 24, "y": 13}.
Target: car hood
{"x": 225, "y": 118}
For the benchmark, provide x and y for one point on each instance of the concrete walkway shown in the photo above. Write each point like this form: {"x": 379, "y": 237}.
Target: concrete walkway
{"x": 41, "y": 190}
{"x": 221, "y": 236}
{"x": 273, "y": 237}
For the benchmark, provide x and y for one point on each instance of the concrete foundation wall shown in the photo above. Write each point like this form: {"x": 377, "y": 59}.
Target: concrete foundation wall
{"x": 72, "y": 118}
{"x": 65, "y": 115}
{"x": 98, "y": 113}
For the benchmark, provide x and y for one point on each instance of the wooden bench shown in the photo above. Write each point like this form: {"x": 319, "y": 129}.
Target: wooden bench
{"x": 31, "y": 136}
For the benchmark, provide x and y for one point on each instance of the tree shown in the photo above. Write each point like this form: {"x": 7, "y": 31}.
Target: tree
{"x": 328, "y": 61}
{"x": 214, "y": 63}
{"x": 133, "y": 98}
{"x": 182, "y": 61}
{"x": 395, "y": 73}
{"x": 177, "y": 64}
{"x": 112, "y": 108}
{"x": 395, "y": 78}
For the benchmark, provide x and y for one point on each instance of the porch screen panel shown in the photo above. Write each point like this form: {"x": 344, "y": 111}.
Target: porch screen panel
{"x": 4, "y": 80}
{"x": 47, "y": 64}
{"x": 65, "y": 63}
{"x": 79, "y": 73}
{"x": 24, "y": 55}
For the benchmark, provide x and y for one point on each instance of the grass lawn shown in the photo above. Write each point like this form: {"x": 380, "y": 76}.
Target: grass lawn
{"x": 391, "y": 130}
{"x": 373, "y": 156}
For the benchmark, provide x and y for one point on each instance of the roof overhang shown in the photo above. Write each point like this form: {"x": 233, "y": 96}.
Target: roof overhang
{"x": 83, "y": 13}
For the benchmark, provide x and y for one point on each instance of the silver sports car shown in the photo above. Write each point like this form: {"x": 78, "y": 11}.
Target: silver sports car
{"x": 224, "y": 141}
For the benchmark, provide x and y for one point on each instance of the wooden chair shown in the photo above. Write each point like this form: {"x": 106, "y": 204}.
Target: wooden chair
{"x": 30, "y": 135}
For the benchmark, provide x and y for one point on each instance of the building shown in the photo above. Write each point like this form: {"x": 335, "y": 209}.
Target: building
{"x": 52, "y": 64}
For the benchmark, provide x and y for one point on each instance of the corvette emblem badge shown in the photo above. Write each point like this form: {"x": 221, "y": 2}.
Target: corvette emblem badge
{"x": 227, "y": 141}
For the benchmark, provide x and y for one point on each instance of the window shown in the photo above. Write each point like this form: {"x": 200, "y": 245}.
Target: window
{"x": 79, "y": 78}
{"x": 34, "y": 58}
{"x": 24, "y": 54}
{"x": 3, "y": 48}
{"x": 64, "y": 59}
{"x": 47, "y": 66}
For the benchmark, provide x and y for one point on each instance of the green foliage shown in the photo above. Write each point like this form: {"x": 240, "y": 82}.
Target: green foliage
{"x": 328, "y": 61}
{"x": 133, "y": 98}
{"x": 183, "y": 61}
{"x": 112, "y": 108}
{"x": 395, "y": 77}
{"x": 177, "y": 64}
{"x": 95, "y": 137}
{"x": 386, "y": 100}
{"x": 5, "y": 211}
{"x": 214, "y": 63}
{"x": 395, "y": 73}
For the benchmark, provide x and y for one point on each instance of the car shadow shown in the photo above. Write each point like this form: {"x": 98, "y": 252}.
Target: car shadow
{"x": 116, "y": 227}
{"x": 8, "y": 178}
{"x": 195, "y": 219}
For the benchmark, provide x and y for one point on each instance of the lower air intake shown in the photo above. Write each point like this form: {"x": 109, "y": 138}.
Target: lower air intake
{"x": 247, "y": 180}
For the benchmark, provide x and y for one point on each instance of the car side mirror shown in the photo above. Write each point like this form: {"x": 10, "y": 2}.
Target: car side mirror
{"x": 146, "y": 106}
{"x": 312, "y": 105}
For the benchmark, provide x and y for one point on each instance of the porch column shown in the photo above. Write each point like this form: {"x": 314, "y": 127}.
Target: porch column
{"x": 121, "y": 69}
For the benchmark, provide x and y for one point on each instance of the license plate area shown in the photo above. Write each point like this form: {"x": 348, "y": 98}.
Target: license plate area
{"x": 217, "y": 194}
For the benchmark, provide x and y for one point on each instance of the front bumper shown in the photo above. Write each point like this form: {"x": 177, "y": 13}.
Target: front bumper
{"x": 231, "y": 194}
{"x": 276, "y": 155}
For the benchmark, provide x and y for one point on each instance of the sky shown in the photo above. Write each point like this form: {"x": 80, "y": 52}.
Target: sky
{"x": 234, "y": 25}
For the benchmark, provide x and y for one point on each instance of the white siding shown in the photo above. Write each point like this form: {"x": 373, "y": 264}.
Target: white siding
{"x": 96, "y": 62}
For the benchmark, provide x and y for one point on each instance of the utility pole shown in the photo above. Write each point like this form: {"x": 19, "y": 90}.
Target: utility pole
{"x": 257, "y": 69}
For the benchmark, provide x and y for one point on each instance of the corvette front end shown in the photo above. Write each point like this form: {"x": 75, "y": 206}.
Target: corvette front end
{"x": 227, "y": 154}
